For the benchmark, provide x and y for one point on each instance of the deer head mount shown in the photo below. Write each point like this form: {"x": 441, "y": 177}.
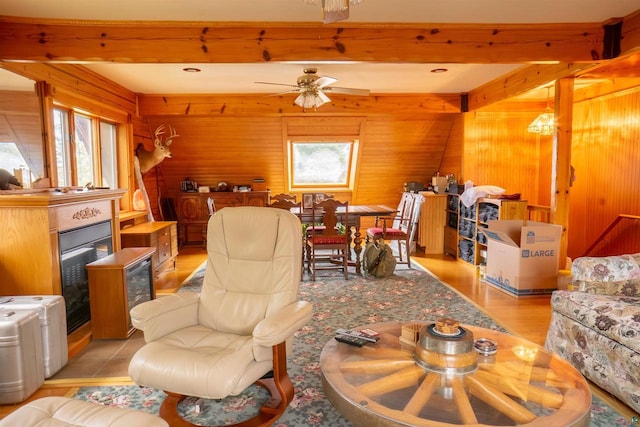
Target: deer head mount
{"x": 161, "y": 151}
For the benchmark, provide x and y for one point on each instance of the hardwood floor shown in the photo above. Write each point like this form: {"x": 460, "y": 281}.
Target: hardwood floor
{"x": 527, "y": 317}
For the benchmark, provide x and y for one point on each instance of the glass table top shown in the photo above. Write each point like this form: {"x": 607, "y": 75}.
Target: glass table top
{"x": 455, "y": 378}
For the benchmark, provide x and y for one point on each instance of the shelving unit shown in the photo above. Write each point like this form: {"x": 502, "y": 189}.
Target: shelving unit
{"x": 463, "y": 236}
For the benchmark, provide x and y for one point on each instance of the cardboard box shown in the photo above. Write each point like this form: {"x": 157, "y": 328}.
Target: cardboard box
{"x": 522, "y": 257}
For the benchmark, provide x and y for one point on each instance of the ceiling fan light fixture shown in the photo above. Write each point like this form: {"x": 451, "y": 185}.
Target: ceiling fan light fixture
{"x": 311, "y": 99}
{"x": 334, "y": 10}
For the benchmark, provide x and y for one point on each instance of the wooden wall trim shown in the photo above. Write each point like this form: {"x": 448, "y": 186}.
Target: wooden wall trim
{"x": 178, "y": 41}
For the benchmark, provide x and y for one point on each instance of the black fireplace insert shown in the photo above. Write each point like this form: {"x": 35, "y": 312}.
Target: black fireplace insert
{"x": 79, "y": 247}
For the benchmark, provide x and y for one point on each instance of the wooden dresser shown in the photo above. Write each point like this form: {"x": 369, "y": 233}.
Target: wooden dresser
{"x": 161, "y": 235}
{"x": 193, "y": 212}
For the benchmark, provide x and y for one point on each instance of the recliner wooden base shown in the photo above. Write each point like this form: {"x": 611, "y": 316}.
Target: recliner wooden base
{"x": 279, "y": 387}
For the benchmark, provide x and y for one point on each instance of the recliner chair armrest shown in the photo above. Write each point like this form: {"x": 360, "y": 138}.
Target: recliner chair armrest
{"x": 282, "y": 324}
{"x": 166, "y": 314}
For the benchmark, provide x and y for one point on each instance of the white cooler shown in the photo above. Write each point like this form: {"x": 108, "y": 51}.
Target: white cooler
{"x": 53, "y": 323}
{"x": 21, "y": 366}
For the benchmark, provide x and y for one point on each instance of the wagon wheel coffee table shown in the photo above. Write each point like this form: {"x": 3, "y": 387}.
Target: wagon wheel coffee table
{"x": 452, "y": 375}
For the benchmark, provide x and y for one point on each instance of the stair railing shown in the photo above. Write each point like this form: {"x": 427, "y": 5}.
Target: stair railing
{"x": 608, "y": 230}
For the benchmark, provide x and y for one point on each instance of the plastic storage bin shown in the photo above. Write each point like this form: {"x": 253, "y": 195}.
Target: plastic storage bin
{"x": 22, "y": 371}
{"x": 53, "y": 324}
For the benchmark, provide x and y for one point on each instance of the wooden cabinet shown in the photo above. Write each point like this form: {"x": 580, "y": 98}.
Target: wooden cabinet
{"x": 193, "y": 211}
{"x": 117, "y": 283}
{"x": 432, "y": 222}
{"x": 160, "y": 235}
{"x": 451, "y": 225}
{"x": 450, "y": 241}
{"x": 463, "y": 236}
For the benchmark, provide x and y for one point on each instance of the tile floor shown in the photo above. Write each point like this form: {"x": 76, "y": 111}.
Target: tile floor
{"x": 102, "y": 359}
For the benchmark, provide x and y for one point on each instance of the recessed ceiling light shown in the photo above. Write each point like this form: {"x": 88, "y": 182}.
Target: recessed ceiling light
{"x": 439, "y": 70}
{"x": 192, "y": 70}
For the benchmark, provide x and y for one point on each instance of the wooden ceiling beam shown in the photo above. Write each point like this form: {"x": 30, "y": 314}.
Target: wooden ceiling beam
{"x": 26, "y": 39}
{"x": 524, "y": 79}
{"x": 258, "y": 104}
{"x": 521, "y": 81}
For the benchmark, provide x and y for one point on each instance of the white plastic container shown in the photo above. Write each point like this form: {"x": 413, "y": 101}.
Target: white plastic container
{"x": 22, "y": 369}
{"x": 53, "y": 323}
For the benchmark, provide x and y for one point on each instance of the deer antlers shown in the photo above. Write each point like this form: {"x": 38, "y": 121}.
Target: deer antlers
{"x": 160, "y": 131}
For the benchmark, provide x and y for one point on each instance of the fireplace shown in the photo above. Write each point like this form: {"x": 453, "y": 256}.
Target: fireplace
{"x": 78, "y": 247}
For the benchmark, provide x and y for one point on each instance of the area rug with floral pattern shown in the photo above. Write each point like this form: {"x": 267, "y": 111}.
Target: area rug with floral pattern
{"x": 406, "y": 295}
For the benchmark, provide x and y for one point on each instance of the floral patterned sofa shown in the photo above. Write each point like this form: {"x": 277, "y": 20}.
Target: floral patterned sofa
{"x": 596, "y": 325}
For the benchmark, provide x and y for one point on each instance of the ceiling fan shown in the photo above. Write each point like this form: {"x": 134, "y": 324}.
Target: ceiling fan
{"x": 312, "y": 88}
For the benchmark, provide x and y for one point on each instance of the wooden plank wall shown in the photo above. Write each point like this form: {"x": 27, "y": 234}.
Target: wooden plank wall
{"x": 605, "y": 154}
{"x": 606, "y": 157}
{"x": 451, "y": 162}
{"x": 237, "y": 149}
{"x": 498, "y": 150}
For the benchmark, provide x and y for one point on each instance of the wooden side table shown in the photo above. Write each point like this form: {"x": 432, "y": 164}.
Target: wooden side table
{"x": 117, "y": 283}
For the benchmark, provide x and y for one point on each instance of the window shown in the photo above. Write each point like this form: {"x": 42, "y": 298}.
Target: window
{"x": 90, "y": 156}
{"x": 11, "y": 158}
{"x": 322, "y": 165}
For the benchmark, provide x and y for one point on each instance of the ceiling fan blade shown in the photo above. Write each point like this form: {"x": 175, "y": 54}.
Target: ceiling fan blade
{"x": 347, "y": 90}
{"x": 285, "y": 92}
{"x": 276, "y": 84}
{"x": 323, "y": 81}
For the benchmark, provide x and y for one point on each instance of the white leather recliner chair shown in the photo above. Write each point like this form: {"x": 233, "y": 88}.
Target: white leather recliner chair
{"x": 218, "y": 342}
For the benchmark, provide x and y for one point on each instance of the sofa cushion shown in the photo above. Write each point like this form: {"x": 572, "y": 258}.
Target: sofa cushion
{"x": 616, "y": 317}
{"x": 606, "y": 269}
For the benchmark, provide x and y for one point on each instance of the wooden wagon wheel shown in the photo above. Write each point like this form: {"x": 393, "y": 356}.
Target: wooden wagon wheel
{"x": 522, "y": 384}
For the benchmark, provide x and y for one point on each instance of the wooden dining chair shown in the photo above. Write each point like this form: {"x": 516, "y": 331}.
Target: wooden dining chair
{"x": 316, "y": 227}
{"x": 328, "y": 249}
{"x": 282, "y": 196}
{"x": 401, "y": 228}
{"x": 295, "y": 209}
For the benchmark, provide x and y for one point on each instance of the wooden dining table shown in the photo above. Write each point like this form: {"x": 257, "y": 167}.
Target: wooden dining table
{"x": 355, "y": 213}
